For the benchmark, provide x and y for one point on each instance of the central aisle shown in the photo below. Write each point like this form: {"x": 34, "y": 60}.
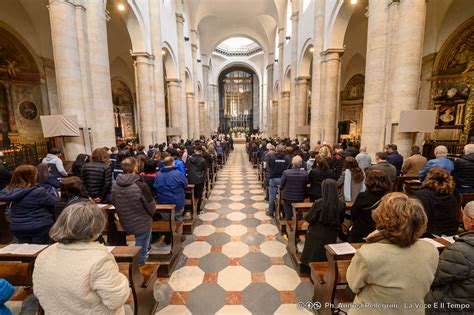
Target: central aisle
{"x": 236, "y": 262}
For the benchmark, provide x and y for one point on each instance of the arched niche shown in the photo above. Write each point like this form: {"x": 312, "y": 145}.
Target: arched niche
{"x": 20, "y": 92}
{"x": 124, "y": 111}
{"x": 451, "y": 93}
{"x": 352, "y": 99}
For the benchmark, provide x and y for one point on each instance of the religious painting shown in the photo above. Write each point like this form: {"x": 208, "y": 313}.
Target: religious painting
{"x": 354, "y": 89}
{"x": 449, "y": 101}
{"x": 28, "y": 110}
{"x": 446, "y": 115}
{"x": 14, "y": 57}
{"x": 123, "y": 110}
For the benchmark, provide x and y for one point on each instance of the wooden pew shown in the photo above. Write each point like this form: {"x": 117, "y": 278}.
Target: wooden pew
{"x": 295, "y": 228}
{"x": 142, "y": 278}
{"x": 168, "y": 261}
{"x": 190, "y": 204}
{"x": 115, "y": 234}
{"x": 463, "y": 199}
{"x": 280, "y": 222}
{"x": 407, "y": 184}
{"x": 327, "y": 276}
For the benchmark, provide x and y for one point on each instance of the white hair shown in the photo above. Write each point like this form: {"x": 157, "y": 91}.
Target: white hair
{"x": 469, "y": 149}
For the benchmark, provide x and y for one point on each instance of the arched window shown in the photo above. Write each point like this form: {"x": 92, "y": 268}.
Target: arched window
{"x": 288, "y": 18}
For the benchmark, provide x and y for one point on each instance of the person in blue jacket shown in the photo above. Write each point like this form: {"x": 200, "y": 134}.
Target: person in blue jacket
{"x": 31, "y": 206}
{"x": 6, "y": 292}
{"x": 170, "y": 185}
{"x": 177, "y": 162}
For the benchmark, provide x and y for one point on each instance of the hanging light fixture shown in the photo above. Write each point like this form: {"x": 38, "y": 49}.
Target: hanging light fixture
{"x": 353, "y": 1}
{"x": 121, "y": 7}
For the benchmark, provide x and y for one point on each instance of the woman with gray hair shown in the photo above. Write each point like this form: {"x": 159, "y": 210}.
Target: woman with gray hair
{"x": 78, "y": 275}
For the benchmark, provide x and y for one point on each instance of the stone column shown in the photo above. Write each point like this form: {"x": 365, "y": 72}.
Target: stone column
{"x": 293, "y": 120}
{"x": 316, "y": 91}
{"x": 174, "y": 90}
{"x": 202, "y": 117}
{"x": 332, "y": 63}
{"x": 182, "y": 69}
{"x": 285, "y": 107}
{"x": 281, "y": 79}
{"x": 274, "y": 116}
{"x": 196, "y": 111}
{"x": 101, "y": 90}
{"x": 159, "y": 84}
{"x": 206, "y": 126}
{"x": 68, "y": 69}
{"x": 215, "y": 100}
{"x": 270, "y": 126}
{"x": 190, "y": 100}
{"x": 373, "y": 126}
{"x": 146, "y": 109}
{"x": 405, "y": 82}
{"x": 302, "y": 102}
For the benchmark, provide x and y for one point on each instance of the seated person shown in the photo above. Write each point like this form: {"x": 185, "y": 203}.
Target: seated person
{"x": 324, "y": 219}
{"x": 71, "y": 192}
{"x": 378, "y": 184}
{"x": 293, "y": 184}
{"x": 317, "y": 175}
{"x": 395, "y": 267}
{"x": 439, "y": 202}
{"x": 453, "y": 282}
{"x": 77, "y": 275}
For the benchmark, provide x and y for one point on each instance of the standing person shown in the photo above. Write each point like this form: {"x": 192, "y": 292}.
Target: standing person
{"x": 378, "y": 184}
{"x": 337, "y": 161}
{"x": 31, "y": 206}
{"x": 324, "y": 221}
{"x": 439, "y": 202}
{"x": 441, "y": 160}
{"x": 149, "y": 173}
{"x": 394, "y": 158}
{"x": 415, "y": 163}
{"x": 382, "y": 164}
{"x": 71, "y": 192}
{"x": 170, "y": 186}
{"x": 135, "y": 205}
{"x": 141, "y": 156}
{"x": 363, "y": 158}
{"x": 388, "y": 269}
{"x": 5, "y": 176}
{"x": 77, "y": 275}
{"x": 277, "y": 163}
{"x": 350, "y": 150}
{"x": 317, "y": 175}
{"x": 310, "y": 162}
{"x": 47, "y": 180}
{"x": 454, "y": 277}
{"x": 97, "y": 177}
{"x": 53, "y": 159}
{"x": 351, "y": 182}
{"x": 77, "y": 165}
{"x": 463, "y": 172}
{"x": 151, "y": 151}
{"x": 293, "y": 184}
{"x": 196, "y": 166}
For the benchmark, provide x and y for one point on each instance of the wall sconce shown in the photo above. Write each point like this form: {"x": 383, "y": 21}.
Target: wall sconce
{"x": 199, "y": 60}
{"x": 276, "y": 60}
{"x": 121, "y": 7}
{"x": 288, "y": 37}
{"x": 186, "y": 39}
{"x": 163, "y": 52}
{"x": 311, "y": 49}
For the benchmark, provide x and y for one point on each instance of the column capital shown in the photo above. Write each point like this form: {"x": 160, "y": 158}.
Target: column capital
{"x": 332, "y": 53}
{"x": 194, "y": 46}
{"x": 281, "y": 29}
{"x": 269, "y": 67}
{"x": 295, "y": 16}
{"x": 173, "y": 81}
{"x": 206, "y": 67}
{"x": 281, "y": 44}
{"x": 202, "y": 103}
{"x": 179, "y": 18}
{"x": 302, "y": 79}
{"x": 213, "y": 85}
{"x": 274, "y": 103}
{"x": 189, "y": 94}
{"x": 142, "y": 55}
{"x": 285, "y": 94}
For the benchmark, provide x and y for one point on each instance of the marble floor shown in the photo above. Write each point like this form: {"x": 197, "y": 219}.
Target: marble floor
{"x": 235, "y": 262}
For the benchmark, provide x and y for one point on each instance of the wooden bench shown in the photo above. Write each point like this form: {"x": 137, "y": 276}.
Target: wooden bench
{"x": 463, "y": 199}
{"x": 280, "y": 222}
{"x": 168, "y": 261}
{"x": 190, "y": 205}
{"x": 296, "y": 228}
{"x": 141, "y": 278}
{"x": 407, "y": 184}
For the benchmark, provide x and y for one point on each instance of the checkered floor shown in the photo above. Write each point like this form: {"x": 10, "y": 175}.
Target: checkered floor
{"x": 235, "y": 262}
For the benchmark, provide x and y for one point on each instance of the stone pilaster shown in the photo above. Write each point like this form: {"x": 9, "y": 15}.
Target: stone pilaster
{"x": 146, "y": 104}
{"x": 270, "y": 126}
{"x": 196, "y": 112}
{"x": 302, "y": 102}
{"x": 332, "y": 64}
{"x": 206, "y": 126}
{"x": 159, "y": 84}
{"x": 281, "y": 47}
{"x": 67, "y": 61}
{"x": 174, "y": 90}
{"x": 182, "y": 68}
{"x": 215, "y": 101}
{"x": 293, "y": 119}
{"x": 190, "y": 101}
{"x": 285, "y": 108}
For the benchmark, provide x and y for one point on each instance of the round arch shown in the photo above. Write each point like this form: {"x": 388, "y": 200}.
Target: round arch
{"x": 169, "y": 61}
{"x": 136, "y": 27}
{"x": 234, "y": 63}
{"x": 306, "y": 59}
{"x": 338, "y": 22}
{"x": 276, "y": 91}
{"x": 189, "y": 81}
{"x": 287, "y": 80}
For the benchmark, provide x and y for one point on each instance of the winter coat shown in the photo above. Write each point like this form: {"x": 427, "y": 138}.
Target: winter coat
{"x": 79, "y": 278}
{"x": 293, "y": 184}
{"x": 361, "y": 215}
{"x": 316, "y": 177}
{"x": 62, "y": 204}
{"x": 464, "y": 171}
{"x": 57, "y": 163}
{"x": 443, "y": 162}
{"x": 180, "y": 166}
{"x": 385, "y": 273}
{"x": 337, "y": 164}
{"x": 441, "y": 210}
{"x": 388, "y": 168}
{"x": 5, "y": 177}
{"x": 170, "y": 186}
{"x": 148, "y": 179}
{"x": 356, "y": 187}
{"x": 396, "y": 160}
{"x": 364, "y": 160}
{"x": 454, "y": 279}
{"x": 197, "y": 168}
{"x": 351, "y": 151}
{"x": 134, "y": 203}
{"x": 277, "y": 163}
{"x": 97, "y": 179}
{"x": 413, "y": 165}
{"x": 31, "y": 208}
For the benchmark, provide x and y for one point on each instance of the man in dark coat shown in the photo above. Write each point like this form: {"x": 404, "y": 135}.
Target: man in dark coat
{"x": 394, "y": 158}
{"x": 135, "y": 205}
{"x": 350, "y": 150}
{"x": 5, "y": 176}
{"x": 337, "y": 161}
{"x": 277, "y": 163}
{"x": 294, "y": 185}
{"x": 196, "y": 166}
{"x": 463, "y": 172}
{"x": 454, "y": 279}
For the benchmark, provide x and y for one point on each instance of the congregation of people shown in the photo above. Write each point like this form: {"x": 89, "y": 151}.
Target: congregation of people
{"x": 49, "y": 205}
{"x": 396, "y": 266}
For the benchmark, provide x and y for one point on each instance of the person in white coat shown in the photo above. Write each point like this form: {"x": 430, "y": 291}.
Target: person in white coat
{"x": 77, "y": 275}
